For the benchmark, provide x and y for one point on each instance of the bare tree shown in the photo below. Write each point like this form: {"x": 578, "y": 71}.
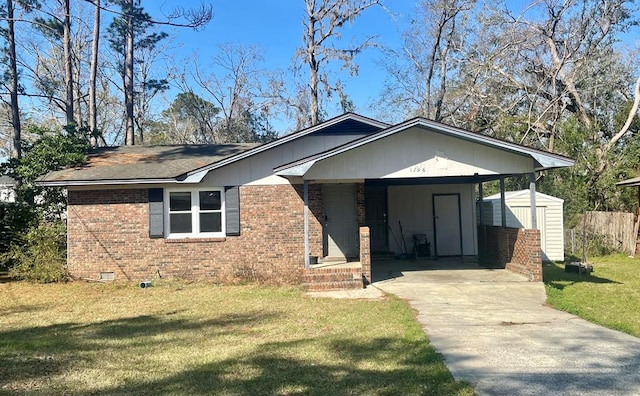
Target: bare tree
{"x": 556, "y": 58}
{"x": 133, "y": 21}
{"x": 234, "y": 85}
{"x": 551, "y": 75}
{"x": 322, "y": 23}
{"x": 434, "y": 47}
{"x": 13, "y": 82}
{"x": 95, "y": 48}
{"x": 68, "y": 62}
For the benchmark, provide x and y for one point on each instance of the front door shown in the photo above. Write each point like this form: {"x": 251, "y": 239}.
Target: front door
{"x": 341, "y": 224}
{"x": 375, "y": 203}
{"x": 447, "y": 224}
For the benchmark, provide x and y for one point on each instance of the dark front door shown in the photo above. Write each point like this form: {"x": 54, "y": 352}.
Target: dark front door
{"x": 375, "y": 203}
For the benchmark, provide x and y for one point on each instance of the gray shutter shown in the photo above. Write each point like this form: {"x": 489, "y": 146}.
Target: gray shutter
{"x": 232, "y": 210}
{"x": 156, "y": 213}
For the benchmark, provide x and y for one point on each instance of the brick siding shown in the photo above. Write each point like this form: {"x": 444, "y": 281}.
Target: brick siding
{"x": 108, "y": 231}
{"x": 527, "y": 255}
{"x": 516, "y": 249}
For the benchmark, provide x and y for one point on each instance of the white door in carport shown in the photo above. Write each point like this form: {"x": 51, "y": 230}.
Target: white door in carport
{"x": 446, "y": 224}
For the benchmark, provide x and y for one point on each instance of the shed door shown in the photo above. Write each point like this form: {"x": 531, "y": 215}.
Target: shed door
{"x": 341, "y": 225}
{"x": 447, "y": 224}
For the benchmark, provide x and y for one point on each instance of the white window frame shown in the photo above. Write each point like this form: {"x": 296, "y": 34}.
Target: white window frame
{"x": 195, "y": 213}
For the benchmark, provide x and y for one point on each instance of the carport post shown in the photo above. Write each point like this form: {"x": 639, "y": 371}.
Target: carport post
{"x": 503, "y": 205}
{"x": 532, "y": 197}
{"x": 305, "y": 189}
{"x": 480, "y": 198}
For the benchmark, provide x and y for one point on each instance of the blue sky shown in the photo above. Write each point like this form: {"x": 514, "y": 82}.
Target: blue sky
{"x": 276, "y": 26}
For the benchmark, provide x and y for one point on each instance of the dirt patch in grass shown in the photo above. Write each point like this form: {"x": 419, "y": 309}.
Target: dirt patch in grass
{"x": 610, "y": 296}
{"x": 176, "y": 338}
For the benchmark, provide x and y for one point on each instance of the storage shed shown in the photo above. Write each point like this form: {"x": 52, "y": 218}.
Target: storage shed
{"x": 518, "y": 215}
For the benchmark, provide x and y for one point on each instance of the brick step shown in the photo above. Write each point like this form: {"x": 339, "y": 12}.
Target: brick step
{"x": 332, "y": 279}
{"x": 353, "y": 284}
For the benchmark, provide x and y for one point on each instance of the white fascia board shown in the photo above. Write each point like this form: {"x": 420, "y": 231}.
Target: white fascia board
{"x": 548, "y": 162}
{"x": 514, "y": 194}
{"x": 194, "y": 178}
{"x": 297, "y": 170}
{"x": 545, "y": 160}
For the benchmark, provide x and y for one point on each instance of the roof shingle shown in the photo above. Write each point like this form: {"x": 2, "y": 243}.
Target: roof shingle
{"x": 146, "y": 162}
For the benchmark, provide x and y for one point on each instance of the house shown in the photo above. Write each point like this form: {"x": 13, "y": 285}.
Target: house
{"x": 336, "y": 191}
{"x": 7, "y": 189}
{"x": 549, "y": 213}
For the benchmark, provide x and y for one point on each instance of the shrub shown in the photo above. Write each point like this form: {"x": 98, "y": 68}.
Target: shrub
{"x": 40, "y": 255}
{"x": 15, "y": 219}
{"x": 595, "y": 245}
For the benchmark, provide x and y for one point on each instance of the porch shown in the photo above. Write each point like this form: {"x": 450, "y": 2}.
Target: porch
{"x": 516, "y": 250}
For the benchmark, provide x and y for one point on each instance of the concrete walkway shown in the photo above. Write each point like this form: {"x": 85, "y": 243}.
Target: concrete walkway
{"x": 494, "y": 331}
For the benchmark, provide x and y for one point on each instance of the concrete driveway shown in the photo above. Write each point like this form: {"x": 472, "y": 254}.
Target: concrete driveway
{"x": 494, "y": 331}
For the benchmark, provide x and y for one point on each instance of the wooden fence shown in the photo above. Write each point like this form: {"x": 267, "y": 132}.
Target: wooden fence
{"x": 615, "y": 229}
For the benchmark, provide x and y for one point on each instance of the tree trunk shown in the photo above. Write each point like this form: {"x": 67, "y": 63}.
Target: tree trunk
{"x": 601, "y": 153}
{"x": 68, "y": 64}
{"x": 16, "y": 151}
{"x": 128, "y": 78}
{"x": 95, "y": 47}
{"x": 313, "y": 66}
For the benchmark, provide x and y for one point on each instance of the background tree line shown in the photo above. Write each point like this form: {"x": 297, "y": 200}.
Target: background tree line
{"x": 559, "y": 75}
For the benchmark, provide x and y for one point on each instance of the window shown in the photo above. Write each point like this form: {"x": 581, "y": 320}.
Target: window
{"x": 195, "y": 213}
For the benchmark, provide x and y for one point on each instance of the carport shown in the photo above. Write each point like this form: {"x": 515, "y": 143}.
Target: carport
{"x": 426, "y": 176}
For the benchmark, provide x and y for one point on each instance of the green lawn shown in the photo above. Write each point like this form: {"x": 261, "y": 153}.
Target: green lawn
{"x": 610, "y": 296}
{"x": 197, "y": 339}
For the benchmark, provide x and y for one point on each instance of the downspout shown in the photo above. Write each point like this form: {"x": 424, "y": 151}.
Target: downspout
{"x": 305, "y": 190}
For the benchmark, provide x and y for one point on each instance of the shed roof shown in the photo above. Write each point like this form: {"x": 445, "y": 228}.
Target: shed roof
{"x": 7, "y": 180}
{"x": 514, "y": 194}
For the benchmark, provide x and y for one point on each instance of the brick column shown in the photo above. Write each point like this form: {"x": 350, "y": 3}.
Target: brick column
{"x": 527, "y": 256}
{"x": 365, "y": 254}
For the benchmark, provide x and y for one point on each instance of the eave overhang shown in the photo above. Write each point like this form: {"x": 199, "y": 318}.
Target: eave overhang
{"x": 77, "y": 183}
{"x": 635, "y": 182}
